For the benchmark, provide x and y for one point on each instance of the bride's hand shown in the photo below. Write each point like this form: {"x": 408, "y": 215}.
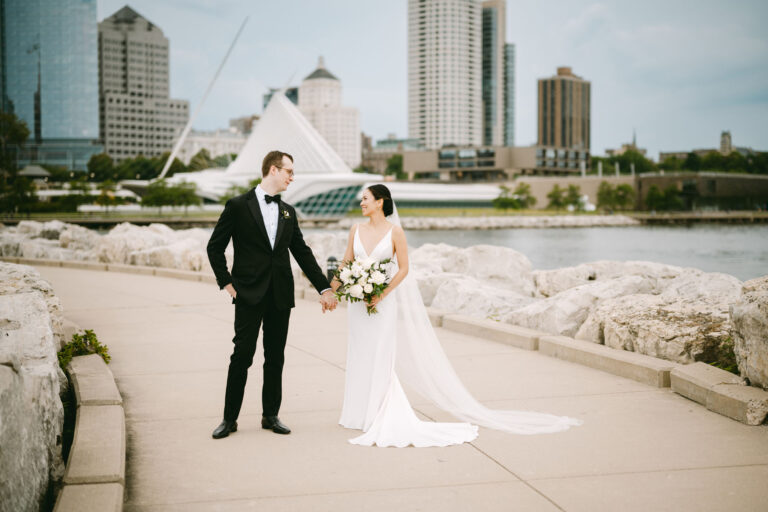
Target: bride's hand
{"x": 375, "y": 300}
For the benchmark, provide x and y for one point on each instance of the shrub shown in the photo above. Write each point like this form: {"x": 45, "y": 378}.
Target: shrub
{"x": 81, "y": 345}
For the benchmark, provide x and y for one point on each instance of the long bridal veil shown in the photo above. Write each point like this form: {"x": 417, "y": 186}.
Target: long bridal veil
{"x": 422, "y": 365}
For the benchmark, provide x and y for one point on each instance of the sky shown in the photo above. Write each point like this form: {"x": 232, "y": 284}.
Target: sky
{"x": 675, "y": 72}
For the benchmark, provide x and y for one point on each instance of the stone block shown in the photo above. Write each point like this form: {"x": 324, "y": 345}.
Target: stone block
{"x": 131, "y": 269}
{"x": 695, "y": 380}
{"x": 93, "y": 381}
{"x": 513, "y": 335}
{"x": 39, "y": 261}
{"x": 96, "y": 497}
{"x": 85, "y": 265}
{"x": 645, "y": 369}
{"x": 98, "y": 448}
{"x": 742, "y": 403}
{"x": 188, "y": 275}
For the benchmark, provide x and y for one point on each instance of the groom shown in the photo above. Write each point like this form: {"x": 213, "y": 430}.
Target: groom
{"x": 263, "y": 230}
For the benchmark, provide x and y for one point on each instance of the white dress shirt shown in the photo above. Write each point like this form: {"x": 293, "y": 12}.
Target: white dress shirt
{"x": 269, "y": 212}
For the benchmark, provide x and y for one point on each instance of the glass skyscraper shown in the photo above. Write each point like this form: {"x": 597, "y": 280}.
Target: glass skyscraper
{"x": 49, "y": 77}
{"x": 498, "y": 77}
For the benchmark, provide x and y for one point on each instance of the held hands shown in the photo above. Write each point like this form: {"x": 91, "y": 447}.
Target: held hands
{"x": 328, "y": 301}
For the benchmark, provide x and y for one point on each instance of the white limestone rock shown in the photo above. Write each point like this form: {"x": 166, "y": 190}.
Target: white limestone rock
{"x": 551, "y": 282}
{"x": 17, "y": 279}
{"x": 124, "y": 239}
{"x": 31, "y": 413}
{"x": 495, "y": 266}
{"x": 471, "y": 297}
{"x": 749, "y": 316}
{"x": 565, "y": 312}
{"x": 78, "y": 238}
{"x": 684, "y": 320}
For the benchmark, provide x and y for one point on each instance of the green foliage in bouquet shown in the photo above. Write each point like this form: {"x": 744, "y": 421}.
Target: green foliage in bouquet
{"x": 353, "y": 287}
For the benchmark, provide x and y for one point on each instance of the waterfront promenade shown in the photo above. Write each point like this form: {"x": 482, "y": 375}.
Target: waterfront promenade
{"x": 640, "y": 448}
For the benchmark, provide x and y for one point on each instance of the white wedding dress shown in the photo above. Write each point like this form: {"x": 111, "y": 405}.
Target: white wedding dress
{"x": 374, "y": 400}
{"x": 397, "y": 343}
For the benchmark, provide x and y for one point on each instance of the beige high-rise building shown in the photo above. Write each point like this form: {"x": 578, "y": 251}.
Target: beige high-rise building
{"x": 136, "y": 114}
{"x": 320, "y": 102}
{"x": 564, "y": 106}
{"x": 444, "y": 72}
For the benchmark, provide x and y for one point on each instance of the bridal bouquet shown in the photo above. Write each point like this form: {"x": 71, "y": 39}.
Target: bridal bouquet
{"x": 363, "y": 280}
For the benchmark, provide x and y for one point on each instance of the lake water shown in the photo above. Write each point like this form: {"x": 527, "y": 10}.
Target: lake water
{"x": 739, "y": 250}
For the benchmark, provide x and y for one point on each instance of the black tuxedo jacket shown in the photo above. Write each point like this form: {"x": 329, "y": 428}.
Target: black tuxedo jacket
{"x": 256, "y": 264}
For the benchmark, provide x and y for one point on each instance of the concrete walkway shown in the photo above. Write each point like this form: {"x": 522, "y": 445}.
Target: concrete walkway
{"x": 640, "y": 448}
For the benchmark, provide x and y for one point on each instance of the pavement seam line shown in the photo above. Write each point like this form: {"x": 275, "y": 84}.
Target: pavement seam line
{"x": 332, "y": 493}
{"x": 650, "y": 471}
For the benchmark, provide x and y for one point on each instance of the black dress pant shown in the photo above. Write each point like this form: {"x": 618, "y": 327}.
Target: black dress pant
{"x": 248, "y": 320}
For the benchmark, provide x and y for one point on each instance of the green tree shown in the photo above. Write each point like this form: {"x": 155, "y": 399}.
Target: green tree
{"x": 159, "y": 162}
{"x": 671, "y": 163}
{"x": 505, "y": 200}
{"x": 224, "y": 160}
{"x": 202, "y": 160}
{"x": 624, "y": 196}
{"x": 13, "y": 133}
{"x": 692, "y": 162}
{"x": 101, "y": 167}
{"x": 185, "y": 194}
{"x": 523, "y": 195}
{"x": 573, "y": 197}
{"x": 107, "y": 196}
{"x": 556, "y": 199}
{"x": 157, "y": 194}
{"x": 654, "y": 200}
{"x": 672, "y": 199}
{"x": 606, "y": 196}
{"x": 395, "y": 167}
{"x": 713, "y": 161}
{"x": 632, "y": 156}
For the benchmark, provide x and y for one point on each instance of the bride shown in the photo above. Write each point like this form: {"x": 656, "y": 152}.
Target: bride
{"x": 397, "y": 343}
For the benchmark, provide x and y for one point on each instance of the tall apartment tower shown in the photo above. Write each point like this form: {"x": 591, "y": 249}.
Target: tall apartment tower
{"x": 48, "y": 78}
{"x": 726, "y": 144}
{"x": 498, "y": 77}
{"x": 136, "y": 114}
{"x": 564, "y": 106}
{"x": 509, "y": 96}
{"x": 444, "y": 72}
{"x": 319, "y": 98}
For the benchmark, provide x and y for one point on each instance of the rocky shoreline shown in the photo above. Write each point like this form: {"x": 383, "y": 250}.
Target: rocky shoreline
{"x": 505, "y": 222}
{"x": 31, "y": 382}
{"x": 674, "y": 313}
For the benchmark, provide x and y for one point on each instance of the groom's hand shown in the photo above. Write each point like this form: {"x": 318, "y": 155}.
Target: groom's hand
{"x": 231, "y": 290}
{"x": 328, "y": 301}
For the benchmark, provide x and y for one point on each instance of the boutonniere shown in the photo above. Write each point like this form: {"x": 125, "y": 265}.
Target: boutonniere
{"x": 286, "y": 214}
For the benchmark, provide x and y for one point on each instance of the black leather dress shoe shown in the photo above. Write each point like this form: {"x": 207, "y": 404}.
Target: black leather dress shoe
{"x": 274, "y": 424}
{"x": 224, "y": 429}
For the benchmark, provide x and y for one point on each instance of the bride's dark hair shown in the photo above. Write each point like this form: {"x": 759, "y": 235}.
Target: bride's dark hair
{"x": 382, "y": 192}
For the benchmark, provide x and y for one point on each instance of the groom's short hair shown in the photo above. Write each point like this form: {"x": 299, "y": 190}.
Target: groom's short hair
{"x": 273, "y": 158}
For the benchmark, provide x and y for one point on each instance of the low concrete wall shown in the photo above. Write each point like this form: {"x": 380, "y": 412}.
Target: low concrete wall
{"x": 95, "y": 474}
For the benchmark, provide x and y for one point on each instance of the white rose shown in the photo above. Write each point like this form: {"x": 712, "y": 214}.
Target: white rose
{"x": 368, "y": 263}
{"x": 368, "y": 288}
{"x": 345, "y": 275}
{"x": 357, "y": 270}
{"x": 378, "y": 277}
{"x": 356, "y": 291}
{"x": 363, "y": 278}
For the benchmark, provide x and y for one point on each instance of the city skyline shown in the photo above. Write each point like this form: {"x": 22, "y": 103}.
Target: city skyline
{"x": 678, "y": 75}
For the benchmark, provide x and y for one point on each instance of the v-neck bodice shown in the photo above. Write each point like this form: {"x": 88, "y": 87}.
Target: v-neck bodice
{"x": 380, "y": 251}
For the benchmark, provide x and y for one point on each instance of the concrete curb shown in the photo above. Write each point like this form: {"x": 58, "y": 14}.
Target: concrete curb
{"x": 696, "y": 379}
{"x": 508, "y": 334}
{"x": 641, "y": 368}
{"x": 95, "y": 475}
{"x": 743, "y": 403}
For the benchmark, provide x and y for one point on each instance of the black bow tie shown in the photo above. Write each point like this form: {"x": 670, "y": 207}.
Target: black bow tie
{"x": 269, "y": 199}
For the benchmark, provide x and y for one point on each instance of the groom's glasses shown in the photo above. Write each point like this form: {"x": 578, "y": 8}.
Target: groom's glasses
{"x": 289, "y": 171}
